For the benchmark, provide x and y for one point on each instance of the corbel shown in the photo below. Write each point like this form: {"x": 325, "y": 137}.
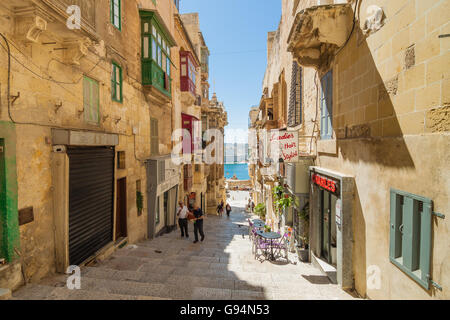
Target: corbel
{"x": 31, "y": 22}
{"x": 76, "y": 49}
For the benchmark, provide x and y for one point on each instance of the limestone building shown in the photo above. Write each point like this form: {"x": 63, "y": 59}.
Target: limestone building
{"x": 86, "y": 119}
{"x": 365, "y": 86}
{"x": 213, "y": 117}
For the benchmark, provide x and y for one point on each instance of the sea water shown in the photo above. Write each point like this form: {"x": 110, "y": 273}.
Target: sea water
{"x": 238, "y": 169}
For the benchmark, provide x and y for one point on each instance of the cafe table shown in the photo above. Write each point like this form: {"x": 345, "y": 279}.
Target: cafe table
{"x": 270, "y": 236}
{"x": 259, "y": 224}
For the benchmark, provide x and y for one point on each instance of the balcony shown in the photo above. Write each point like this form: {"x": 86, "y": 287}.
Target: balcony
{"x": 156, "y": 82}
{"x": 318, "y": 32}
{"x": 188, "y": 95}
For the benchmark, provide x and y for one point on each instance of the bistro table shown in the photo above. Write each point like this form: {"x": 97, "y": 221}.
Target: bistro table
{"x": 270, "y": 236}
{"x": 259, "y": 224}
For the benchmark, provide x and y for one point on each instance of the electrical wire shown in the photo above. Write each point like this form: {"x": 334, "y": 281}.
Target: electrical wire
{"x": 353, "y": 28}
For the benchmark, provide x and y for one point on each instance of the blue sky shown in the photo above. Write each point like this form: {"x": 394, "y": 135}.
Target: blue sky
{"x": 236, "y": 34}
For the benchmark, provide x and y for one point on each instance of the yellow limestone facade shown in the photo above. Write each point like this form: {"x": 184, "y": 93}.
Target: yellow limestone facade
{"x": 48, "y": 64}
{"x": 390, "y": 121}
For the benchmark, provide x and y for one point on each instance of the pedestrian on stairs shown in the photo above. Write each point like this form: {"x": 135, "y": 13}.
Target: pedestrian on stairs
{"x": 228, "y": 210}
{"x": 198, "y": 223}
{"x": 182, "y": 214}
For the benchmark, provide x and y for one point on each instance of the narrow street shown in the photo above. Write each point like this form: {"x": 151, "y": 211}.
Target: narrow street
{"x": 220, "y": 268}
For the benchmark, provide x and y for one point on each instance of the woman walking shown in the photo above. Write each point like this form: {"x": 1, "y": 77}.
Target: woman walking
{"x": 228, "y": 210}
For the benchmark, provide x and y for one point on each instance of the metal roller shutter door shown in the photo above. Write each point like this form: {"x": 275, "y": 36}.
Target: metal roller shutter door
{"x": 91, "y": 190}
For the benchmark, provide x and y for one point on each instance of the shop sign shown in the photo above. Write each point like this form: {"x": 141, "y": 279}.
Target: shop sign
{"x": 326, "y": 183}
{"x": 287, "y": 142}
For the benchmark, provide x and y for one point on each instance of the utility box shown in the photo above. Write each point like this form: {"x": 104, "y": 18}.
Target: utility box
{"x": 298, "y": 175}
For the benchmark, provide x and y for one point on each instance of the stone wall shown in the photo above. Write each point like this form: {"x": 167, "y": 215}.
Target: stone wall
{"x": 54, "y": 99}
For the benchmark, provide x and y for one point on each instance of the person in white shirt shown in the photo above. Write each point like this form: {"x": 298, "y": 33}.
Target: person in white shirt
{"x": 182, "y": 214}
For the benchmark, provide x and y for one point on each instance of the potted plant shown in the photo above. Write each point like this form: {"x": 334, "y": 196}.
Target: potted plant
{"x": 260, "y": 210}
{"x": 303, "y": 246}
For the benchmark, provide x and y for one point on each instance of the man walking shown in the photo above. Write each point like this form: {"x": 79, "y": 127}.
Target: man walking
{"x": 198, "y": 224}
{"x": 182, "y": 214}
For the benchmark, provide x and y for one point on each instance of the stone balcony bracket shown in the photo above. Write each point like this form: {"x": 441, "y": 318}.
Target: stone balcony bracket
{"x": 75, "y": 50}
{"x": 318, "y": 32}
{"x": 30, "y": 23}
{"x": 187, "y": 98}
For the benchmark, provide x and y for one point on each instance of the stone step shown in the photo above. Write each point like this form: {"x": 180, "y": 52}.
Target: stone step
{"x": 46, "y": 292}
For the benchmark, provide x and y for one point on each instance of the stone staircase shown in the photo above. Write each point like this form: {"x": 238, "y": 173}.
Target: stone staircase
{"x": 169, "y": 267}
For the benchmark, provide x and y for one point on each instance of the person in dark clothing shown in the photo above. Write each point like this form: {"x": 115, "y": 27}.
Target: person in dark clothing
{"x": 198, "y": 224}
{"x": 220, "y": 209}
{"x": 228, "y": 210}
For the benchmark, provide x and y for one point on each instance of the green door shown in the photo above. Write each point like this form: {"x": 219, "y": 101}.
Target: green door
{"x": 2, "y": 199}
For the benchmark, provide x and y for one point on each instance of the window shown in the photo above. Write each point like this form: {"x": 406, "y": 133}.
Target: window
{"x": 188, "y": 72}
{"x": 154, "y": 139}
{"x": 139, "y": 198}
{"x": 410, "y": 235}
{"x": 156, "y": 60}
{"x": 116, "y": 7}
{"x": 116, "y": 83}
{"x": 326, "y": 106}
{"x": 91, "y": 100}
{"x": 120, "y": 159}
{"x": 295, "y": 99}
{"x": 205, "y": 60}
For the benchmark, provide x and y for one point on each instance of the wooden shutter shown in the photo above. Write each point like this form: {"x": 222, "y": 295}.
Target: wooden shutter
{"x": 326, "y": 106}
{"x": 410, "y": 235}
{"x": 293, "y": 95}
{"x": 91, "y": 100}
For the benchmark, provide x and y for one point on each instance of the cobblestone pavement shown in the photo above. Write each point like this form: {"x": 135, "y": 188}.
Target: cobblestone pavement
{"x": 170, "y": 267}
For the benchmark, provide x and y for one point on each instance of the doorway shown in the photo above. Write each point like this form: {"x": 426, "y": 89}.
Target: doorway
{"x": 121, "y": 209}
{"x": 2, "y": 197}
{"x": 328, "y": 227}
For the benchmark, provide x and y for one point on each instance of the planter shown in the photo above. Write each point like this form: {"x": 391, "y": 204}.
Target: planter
{"x": 303, "y": 254}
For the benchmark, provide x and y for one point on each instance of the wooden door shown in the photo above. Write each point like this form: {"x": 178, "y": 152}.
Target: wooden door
{"x": 121, "y": 210}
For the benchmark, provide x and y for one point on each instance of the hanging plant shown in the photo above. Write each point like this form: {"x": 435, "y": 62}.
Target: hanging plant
{"x": 282, "y": 200}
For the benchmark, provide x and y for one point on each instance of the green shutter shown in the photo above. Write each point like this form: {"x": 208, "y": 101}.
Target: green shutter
{"x": 116, "y": 83}
{"x": 425, "y": 243}
{"x": 407, "y": 234}
{"x": 396, "y": 221}
{"x": 410, "y": 235}
{"x": 91, "y": 100}
{"x": 116, "y": 20}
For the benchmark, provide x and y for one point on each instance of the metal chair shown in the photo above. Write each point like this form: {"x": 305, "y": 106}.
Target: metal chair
{"x": 250, "y": 230}
{"x": 260, "y": 244}
{"x": 282, "y": 245}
